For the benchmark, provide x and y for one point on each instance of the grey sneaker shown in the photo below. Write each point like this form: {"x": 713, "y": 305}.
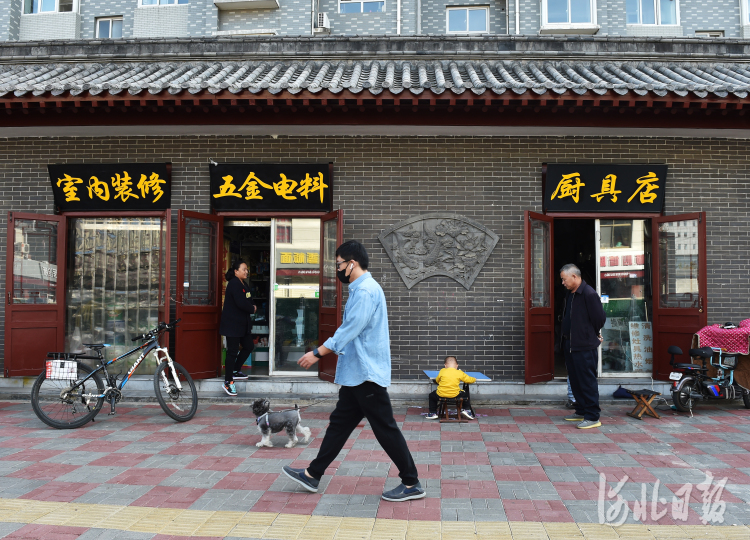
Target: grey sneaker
{"x": 403, "y": 493}
{"x": 588, "y": 424}
{"x": 299, "y": 476}
{"x": 575, "y": 418}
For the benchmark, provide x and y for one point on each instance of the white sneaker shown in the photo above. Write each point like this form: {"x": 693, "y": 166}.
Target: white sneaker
{"x": 431, "y": 416}
{"x": 467, "y": 414}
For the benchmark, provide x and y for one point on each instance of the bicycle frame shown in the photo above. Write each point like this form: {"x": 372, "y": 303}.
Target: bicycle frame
{"x": 148, "y": 347}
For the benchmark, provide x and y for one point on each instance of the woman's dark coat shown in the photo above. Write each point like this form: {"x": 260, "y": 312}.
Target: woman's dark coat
{"x": 238, "y": 306}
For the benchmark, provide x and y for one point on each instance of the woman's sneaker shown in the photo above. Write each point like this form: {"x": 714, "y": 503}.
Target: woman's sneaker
{"x": 431, "y": 416}
{"x": 239, "y": 375}
{"x": 467, "y": 414}
{"x": 229, "y": 388}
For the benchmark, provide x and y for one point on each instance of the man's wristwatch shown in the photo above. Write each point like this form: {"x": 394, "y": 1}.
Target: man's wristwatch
{"x": 316, "y": 354}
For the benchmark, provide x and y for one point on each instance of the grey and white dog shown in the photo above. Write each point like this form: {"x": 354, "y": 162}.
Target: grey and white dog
{"x": 270, "y": 422}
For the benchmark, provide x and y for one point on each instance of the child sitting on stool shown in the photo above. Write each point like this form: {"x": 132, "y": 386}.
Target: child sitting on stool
{"x": 447, "y": 381}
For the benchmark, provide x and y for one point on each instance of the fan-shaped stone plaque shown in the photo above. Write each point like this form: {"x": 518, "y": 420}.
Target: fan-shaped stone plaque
{"x": 439, "y": 244}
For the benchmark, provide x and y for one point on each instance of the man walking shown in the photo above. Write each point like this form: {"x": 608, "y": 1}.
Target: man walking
{"x": 363, "y": 370}
{"x": 583, "y": 318}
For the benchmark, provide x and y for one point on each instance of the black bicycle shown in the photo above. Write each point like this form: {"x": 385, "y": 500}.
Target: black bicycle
{"x": 69, "y": 393}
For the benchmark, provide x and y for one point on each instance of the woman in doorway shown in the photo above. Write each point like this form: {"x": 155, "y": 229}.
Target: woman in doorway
{"x": 236, "y": 324}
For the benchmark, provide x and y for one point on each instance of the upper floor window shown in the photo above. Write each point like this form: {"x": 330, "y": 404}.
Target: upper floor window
{"x": 569, "y": 11}
{"x": 162, "y": 2}
{"x": 357, "y": 6}
{"x": 47, "y": 6}
{"x": 109, "y": 27}
{"x": 467, "y": 20}
{"x": 651, "y": 11}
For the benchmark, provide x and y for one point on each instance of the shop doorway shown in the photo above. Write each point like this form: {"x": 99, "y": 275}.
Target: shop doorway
{"x": 649, "y": 271}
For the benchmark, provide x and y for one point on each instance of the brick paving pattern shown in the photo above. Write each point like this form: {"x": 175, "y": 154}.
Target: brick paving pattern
{"x": 514, "y": 473}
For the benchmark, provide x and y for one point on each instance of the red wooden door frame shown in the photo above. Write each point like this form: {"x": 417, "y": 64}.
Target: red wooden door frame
{"x": 676, "y": 326}
{"x": 24, "y": 323}
{"x": 539, "y": 327}
{"x": 329, "y": 319}
{"x": 197, "y": 338}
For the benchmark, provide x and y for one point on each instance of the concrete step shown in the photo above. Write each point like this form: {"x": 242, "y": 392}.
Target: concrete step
{"x": 308, "y": 390}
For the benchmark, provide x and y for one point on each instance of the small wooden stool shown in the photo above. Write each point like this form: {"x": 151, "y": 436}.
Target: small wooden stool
{"x": 643, "y": 399}
{"x": 443, "y": 413}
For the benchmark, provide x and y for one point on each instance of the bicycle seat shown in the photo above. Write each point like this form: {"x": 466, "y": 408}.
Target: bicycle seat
{"x": 703, "y": 352}
{"x": 690, "y": 366}
{"x": 673, "y": 349}
{"x": 96, "y": 346}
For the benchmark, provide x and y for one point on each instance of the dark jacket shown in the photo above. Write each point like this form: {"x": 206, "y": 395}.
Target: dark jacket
{"x": 586, "y": 318}
{"x": 238, "y": 306}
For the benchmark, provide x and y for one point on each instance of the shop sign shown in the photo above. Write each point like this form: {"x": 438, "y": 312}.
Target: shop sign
{"x": 265, "y": 187}
{"x": 604, "y": 188}
{"x": 641, "y": 345}
{"x": 110, "y": 186}
{"x": 298, "y": 259}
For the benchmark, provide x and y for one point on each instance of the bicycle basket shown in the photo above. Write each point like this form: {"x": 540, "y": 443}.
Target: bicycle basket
{"x": 64, "y": 370}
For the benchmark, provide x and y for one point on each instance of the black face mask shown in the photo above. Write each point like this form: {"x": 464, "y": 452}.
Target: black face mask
{"x": 341, "y": 274}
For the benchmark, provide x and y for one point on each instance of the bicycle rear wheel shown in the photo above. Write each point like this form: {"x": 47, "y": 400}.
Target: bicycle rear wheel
{"x": 58, "y": 406}
{"x": 179, "y": 404}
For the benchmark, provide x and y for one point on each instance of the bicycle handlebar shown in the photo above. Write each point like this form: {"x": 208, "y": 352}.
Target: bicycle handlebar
{"x": 162, "y": 327}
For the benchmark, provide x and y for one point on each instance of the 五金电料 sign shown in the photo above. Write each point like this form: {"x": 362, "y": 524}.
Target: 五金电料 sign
{"x": 110, "y": 186}
{"x": 271, "y": 187}
{"x": 604, "y": 188}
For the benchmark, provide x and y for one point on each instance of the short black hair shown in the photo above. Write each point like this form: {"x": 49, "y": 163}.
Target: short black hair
{"x": 351, "y": 250}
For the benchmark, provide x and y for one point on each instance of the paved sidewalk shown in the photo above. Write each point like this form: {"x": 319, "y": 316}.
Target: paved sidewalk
{"x": 521, "y": 473}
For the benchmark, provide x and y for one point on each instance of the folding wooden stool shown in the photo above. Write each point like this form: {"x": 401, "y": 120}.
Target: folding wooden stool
{"x": 643, "y": 399}
{"x": 443, "y": 412}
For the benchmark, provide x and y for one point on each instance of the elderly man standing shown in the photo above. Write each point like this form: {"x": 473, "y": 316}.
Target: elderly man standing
{"x": 583, "y": 319}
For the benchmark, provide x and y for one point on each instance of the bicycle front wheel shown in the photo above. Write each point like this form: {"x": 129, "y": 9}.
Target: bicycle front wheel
{"x": 68, "y": 404}
{"x": 178, "y": 401}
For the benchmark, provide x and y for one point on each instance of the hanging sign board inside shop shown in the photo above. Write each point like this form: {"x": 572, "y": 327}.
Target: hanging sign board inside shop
{"x": 84, "y": 187}
{"x": 604, "y": 188}
{"x": 289, "y": 187}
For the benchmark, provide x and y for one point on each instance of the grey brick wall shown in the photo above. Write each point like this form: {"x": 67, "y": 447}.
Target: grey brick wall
{"x": 292, "y": 19}
{"x": 39, "y": 26}
{"x": 93, "y": 9}
{"x": 362, "y": 24}
{"x": 434, "y": 17}
{"x": 383, "y": 180}
{"x": 10, "y": 21}
{"x": 203, "y": 18}
{"x": 716, "y": 15}
{"x": 161, "y": 21}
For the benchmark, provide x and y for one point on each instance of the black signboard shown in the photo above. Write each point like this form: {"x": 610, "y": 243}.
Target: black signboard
{"x": 271, "y": 187}
{"x": 570, "y": 187}
{"x": 110, "y": 186}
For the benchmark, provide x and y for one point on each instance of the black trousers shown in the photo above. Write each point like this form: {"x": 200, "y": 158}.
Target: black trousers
{"x": 236, "y": 357}
{"x": 371, "y": 401}
{"x": 434, "y": 400}
{"x": 582, "y": 375}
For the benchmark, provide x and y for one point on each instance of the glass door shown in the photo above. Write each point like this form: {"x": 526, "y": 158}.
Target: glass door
{"x": 622, "y": 282}
{"x": 295, "y": 270}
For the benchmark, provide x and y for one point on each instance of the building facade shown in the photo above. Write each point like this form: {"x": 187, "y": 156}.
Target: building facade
{"x": 31, "y": 20}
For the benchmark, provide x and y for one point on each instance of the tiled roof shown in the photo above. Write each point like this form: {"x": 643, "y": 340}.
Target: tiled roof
{"x": 478, "y": 77}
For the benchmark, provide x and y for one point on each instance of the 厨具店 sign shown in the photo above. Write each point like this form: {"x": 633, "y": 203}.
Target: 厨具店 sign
{"x": 110, "y": 186}
{"x": 604, "y": 188}
{"x": 271, "y": 187}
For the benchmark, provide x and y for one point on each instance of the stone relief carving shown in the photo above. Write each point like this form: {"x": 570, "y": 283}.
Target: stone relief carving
{"x": 439, "y": 244}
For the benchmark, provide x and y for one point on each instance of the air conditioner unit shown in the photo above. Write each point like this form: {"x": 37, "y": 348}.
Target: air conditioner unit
{"x": 324, "y": 25}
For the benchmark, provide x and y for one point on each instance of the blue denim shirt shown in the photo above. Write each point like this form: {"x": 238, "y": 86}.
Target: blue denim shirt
{"x": 362, "y": 341}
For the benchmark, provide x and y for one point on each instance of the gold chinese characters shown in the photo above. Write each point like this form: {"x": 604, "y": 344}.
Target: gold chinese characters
{"x": 570, "y": 185}
{"x": 286, "y": 188}
{"x": 121, "y": 184}
{"x": 295, "y": 257}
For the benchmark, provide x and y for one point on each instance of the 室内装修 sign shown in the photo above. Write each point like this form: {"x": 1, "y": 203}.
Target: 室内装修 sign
{"x": 110, "y": 186}
{"x": 271, "y": 187}
{"x": 570, "y": 187}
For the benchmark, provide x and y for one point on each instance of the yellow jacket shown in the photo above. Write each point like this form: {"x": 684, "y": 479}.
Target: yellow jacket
{"x": 448, "y": 380}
